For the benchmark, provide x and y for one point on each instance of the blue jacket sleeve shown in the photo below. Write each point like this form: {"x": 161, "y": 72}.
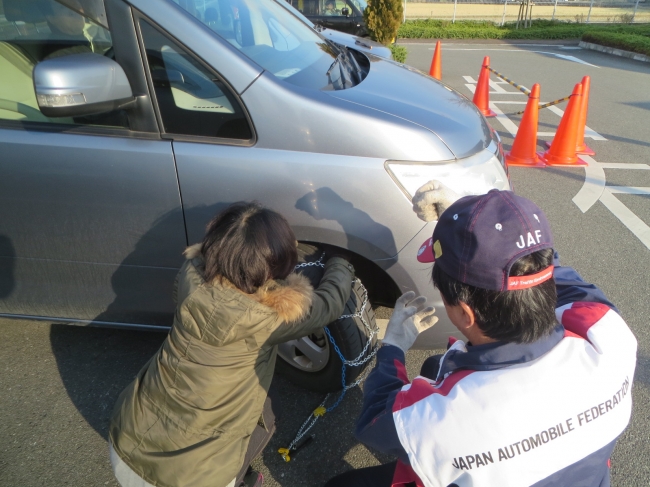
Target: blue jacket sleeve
{"x": 572, "y": 288}
{"x": 375, "y": 427}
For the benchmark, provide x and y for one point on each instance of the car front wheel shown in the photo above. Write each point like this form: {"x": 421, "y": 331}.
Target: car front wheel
{"x": 312, "y": 362}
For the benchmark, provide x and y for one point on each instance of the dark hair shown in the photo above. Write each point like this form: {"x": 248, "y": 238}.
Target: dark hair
{"x": 521, "y": 316}
{"x": 248, "y": 245}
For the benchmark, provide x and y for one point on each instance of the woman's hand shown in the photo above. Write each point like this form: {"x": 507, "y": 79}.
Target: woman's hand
{"x": 335, "y": 255}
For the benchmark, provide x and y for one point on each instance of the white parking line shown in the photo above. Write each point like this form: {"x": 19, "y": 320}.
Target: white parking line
{"x": 626, "y": 217}
{"x": 508, "y": 124}
{"x": 595, "y": 181}
{"x": 566, "y": 57}
{"x": 595, "y": 188}
{"x": 573, "y": 59}
{"x": 498, "y": 89}
{"x": 629, "y": 190}
{"x": 459, "y": 44}
{"x": 623, "y": 165}
{"x": 483, "y": 49}
{"x": 497, "y": 86}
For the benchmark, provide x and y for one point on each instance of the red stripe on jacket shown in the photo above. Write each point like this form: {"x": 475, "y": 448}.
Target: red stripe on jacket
{"x": 582, "y": 316}
{"x": 405, "y": 475}
{"x": 401, "y": 371}
{"x": 422, "y": 388}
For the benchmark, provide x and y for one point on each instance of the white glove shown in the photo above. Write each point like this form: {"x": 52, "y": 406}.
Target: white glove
{"x": 432, "y": 199}
{"x": 408, "y": 321}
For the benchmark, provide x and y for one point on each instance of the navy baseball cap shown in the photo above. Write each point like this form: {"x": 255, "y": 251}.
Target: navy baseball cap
{"x": 478, "y": 238}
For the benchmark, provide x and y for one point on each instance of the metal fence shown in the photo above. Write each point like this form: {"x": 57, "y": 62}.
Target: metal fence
{"x": 589, "y": 11}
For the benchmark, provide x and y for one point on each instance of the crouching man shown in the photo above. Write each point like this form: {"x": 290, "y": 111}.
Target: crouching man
{"x": 541, "y": 388}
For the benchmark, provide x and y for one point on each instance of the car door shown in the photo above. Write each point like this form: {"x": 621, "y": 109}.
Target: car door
{"x": 358, "y": 23}
{"x": 201, "y": 112}
{"x": 91, "y": 223}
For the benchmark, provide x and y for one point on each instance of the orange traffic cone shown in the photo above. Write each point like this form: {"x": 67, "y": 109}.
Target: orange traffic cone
{"x": 563, "y": 148}
{"x": 435, "y": 70}
{"x": 523, "y": 148}
{"x": 581, "y": 147}
{"x": 482, "y": 93}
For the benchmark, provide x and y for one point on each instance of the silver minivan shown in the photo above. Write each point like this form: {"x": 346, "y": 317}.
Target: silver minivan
{"x": 125, "y": 125}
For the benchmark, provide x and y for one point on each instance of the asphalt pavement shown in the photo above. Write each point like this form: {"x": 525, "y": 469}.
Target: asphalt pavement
{"x": 58, "y": 383}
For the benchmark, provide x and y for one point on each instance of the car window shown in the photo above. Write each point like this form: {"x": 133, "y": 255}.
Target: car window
{"x": 359, "y": 4}
{"x": 191, "y": 100}
{"x": 34, "y": 31}
{"x": 332, "y": 8}
{"x": 273, "y": 38}
{"x": 307, "y": 7}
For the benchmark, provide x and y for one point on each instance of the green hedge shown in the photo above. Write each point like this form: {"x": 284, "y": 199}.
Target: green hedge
{"x": 627, "y": 42}
{"x": 399, "y": 53}
{"x": 540, "y": 29}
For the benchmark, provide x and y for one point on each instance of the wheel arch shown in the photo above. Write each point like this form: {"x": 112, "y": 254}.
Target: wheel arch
{"x": 382, "y": 289}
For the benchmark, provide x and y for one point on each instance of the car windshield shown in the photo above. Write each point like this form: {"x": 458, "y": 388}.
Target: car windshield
{"x": 276, "y": 40}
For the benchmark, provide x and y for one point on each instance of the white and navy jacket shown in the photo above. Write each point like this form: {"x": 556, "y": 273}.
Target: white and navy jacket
{"x": 546, "y": 413}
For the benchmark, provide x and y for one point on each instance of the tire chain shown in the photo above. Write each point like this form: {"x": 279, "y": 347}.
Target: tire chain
{"x": 356, "y": 362}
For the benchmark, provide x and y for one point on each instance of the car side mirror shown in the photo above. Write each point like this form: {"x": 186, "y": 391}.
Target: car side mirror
{"x": 345, "y": 11}
{"x": 80, "y": 84}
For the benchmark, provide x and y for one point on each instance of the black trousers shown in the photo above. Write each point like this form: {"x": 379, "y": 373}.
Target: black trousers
{"x": 380, "y": 476}
{"x": 262, "y": 433}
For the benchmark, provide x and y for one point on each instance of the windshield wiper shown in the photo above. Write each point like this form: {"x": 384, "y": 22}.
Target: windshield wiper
{"x": 340, "y": 57}
{"x": 354, "y": 64}
{"x": 348, "y": 67}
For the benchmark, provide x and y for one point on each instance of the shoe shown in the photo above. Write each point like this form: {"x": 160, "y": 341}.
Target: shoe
{"x": 252, "y": 479}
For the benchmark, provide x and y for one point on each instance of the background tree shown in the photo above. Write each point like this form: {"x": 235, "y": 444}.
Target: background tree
{"x": 383, "y": 18}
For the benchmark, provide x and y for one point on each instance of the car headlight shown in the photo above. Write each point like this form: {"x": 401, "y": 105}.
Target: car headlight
{"x": 477, "y": 174}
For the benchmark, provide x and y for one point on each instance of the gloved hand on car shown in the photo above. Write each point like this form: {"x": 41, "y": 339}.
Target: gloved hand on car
{"x": 409, "y": 319}
{"x": 432, "y": 199}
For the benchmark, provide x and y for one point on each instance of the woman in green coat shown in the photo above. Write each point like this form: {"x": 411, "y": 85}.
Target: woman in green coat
{"x": 187, "y": 418}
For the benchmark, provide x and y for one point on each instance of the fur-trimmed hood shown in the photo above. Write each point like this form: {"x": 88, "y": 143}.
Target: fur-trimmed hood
{"x": 290, "y": 298}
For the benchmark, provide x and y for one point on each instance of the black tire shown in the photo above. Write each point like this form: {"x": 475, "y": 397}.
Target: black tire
{"x": 350, "y": 335}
